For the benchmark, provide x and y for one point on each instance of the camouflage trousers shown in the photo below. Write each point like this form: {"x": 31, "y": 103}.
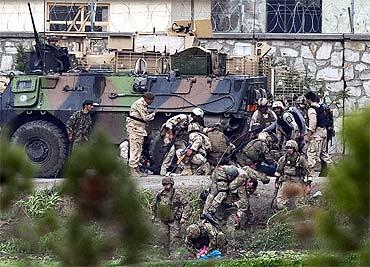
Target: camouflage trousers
{"x": 317, "y": 149}
{"x": 136, "y": 148}
{"x": 196, "y": 163}
{"x": 179, "y": 144}
{"x": 291, "y": 194}
{"x": 169, "y": 234}
{"x": 214, "y": 200}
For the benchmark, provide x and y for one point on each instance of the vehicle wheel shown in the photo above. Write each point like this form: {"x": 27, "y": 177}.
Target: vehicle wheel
{"x": 157, "y": 151}
{"x": 45, "y": 145}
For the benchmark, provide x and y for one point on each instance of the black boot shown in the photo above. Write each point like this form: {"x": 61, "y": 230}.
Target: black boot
{"x": 210, "y": 216}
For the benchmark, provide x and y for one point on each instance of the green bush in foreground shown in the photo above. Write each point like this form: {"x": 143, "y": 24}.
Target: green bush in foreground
{"x": 348, "y": 192}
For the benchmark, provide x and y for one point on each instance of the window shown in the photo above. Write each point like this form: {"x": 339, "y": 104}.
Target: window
{"x": 294, "y": 16}
{"x": 76, "y": 17}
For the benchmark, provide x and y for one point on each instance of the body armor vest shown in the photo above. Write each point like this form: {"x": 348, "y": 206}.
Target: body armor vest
{"x": 321, "y": 118}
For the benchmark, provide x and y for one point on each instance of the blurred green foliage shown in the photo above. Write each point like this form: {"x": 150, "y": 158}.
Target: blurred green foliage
{"x": 15, "y": 173}
{"x": 348, "y": 193}
{"x": 104, "y": 193}
{"x": 40, "y": 202}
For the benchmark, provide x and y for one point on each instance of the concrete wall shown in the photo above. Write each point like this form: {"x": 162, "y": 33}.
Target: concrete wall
{"x": 144, "y": 15}
{"x": 124, "y": 15}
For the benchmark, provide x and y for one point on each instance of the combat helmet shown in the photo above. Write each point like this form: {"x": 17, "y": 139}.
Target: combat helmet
{"x": 192, "y": 231}
{"x": 292, "y": 144}
{"x": 278, "y": 104}
{"x": 198, "y": 112}
{"x": 262, "y": 101}
{"x": 263, "y": 136}
{"x": 231, "y": 170}
{"x": 167, "y": 180}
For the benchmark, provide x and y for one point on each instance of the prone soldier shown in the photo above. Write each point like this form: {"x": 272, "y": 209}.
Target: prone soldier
{"x": 172, "y": 209}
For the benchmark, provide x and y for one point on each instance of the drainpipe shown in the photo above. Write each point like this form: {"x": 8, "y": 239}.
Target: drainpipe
{"x": 344, "y": 89}
{"x": 192, "y": 15}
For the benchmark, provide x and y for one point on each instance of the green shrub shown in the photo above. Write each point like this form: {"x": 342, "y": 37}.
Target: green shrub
{"x": 40, "y": 202}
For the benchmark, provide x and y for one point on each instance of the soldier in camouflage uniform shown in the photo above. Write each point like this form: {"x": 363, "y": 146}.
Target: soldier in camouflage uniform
{"x": 257, "y": 155}
{"x": 221, "y": 178}
{"x": 196, "y": 153}
{"x": 174, "y": 132}
{"x": 79, "y": 125}
{"x": 263, "y": 117}
{"x": 172, "y": 209}
{"x": 241, "y": 188}
{"x": 136, "y": 124}
{"x": 204, "y": 236}
{"x": 291, "y": 173}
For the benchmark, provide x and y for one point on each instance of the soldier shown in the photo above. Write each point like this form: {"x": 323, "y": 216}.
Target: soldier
{"x": 219, "y": 189}
{"x": 79, "y": 125}
{"x": 316, "y": 137}
{"x": 291, "y": 172}
{"x": 264, "y": 117}
{"x": 172, "y": 209}
{"x": 196, "y": 153}
{"x": 174, "y": 132}
{"x": 242, "y": 187}
{"x": 255, "y": 154}
{"x": 53, "y": 40}
{"x": 136, "y": 124}
{"x": 287, "y": 126}
{"x": 203, "y": 237}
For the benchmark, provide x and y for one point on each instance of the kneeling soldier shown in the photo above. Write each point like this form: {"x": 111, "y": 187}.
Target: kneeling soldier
{"x": 203, "y": 237}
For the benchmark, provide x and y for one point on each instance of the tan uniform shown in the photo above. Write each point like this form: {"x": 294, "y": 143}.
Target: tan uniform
{"x": 266, "y": 120}
{"x": 209, "y": 236}
{"x": 200, "y": 145}
{"x": 170, "y": 208}
{"x": 291, "y": 172}
{"x": 136, "y": 129}
{"x": 178, "y": 124}
{"x": 317, "y": 145}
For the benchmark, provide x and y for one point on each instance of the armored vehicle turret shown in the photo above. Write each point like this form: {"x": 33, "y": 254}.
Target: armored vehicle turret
{"x": 35, "y": 107}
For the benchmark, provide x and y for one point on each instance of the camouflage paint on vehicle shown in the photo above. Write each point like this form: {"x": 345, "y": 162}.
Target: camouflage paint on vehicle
{"x": 53, "y": 98}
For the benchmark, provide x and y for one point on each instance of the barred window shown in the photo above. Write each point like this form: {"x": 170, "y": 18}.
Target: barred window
{"x": 294, "y": 16}
{"x": 76, "y": 17}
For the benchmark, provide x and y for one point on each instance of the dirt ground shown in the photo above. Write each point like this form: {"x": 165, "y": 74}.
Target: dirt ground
{"x": 260, "y": 201}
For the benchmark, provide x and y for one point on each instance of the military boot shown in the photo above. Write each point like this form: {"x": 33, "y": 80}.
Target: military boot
{"x": 135, "y": 172}
{"x": 186, "y": 170}
{"x": 210, "y": 216}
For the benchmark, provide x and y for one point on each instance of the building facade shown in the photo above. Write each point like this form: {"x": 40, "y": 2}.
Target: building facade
{"x": 326, "y": 40}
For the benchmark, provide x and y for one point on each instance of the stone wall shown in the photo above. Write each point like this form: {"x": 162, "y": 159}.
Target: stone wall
{"x": 324, "y": 61}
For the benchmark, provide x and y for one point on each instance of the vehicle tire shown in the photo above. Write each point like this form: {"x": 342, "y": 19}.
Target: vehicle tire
{"x": 157, "y": 151}
{"x": 45, "y": 145}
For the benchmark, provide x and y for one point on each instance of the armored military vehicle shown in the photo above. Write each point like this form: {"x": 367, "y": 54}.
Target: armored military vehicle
{"x": 35, "y": 107}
